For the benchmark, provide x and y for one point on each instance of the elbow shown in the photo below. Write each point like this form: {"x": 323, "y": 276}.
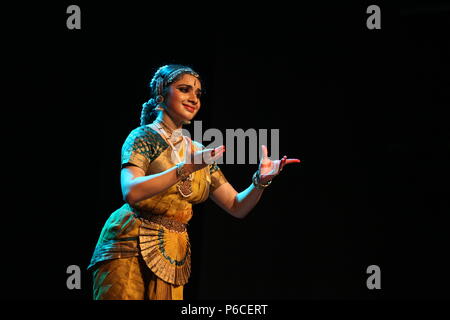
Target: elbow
{"x": 131, "y": 202}
{"x": 134, "y": 196}
{"x": 238, "y": 214}
{"x": 130, "y": 198}
{"x": 237, "y": 210}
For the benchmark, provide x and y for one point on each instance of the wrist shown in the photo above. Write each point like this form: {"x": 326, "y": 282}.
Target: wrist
{"x": 257, "y": 183}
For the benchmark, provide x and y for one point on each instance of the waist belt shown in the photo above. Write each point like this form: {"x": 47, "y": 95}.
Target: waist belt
{"x": 166, "y": 221}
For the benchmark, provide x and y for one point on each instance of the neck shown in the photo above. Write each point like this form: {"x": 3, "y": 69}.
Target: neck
{"x": 169, "y": 122}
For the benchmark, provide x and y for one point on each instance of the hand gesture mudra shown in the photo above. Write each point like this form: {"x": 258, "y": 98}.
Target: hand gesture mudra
{"x": 197, "y": 160}
{"x": 269, "y": 169}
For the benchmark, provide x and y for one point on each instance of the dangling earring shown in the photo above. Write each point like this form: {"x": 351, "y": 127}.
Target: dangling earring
{"x": 159, "y": 99}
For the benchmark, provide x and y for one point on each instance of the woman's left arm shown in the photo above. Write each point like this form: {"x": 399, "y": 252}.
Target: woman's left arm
{"x": 236, "y": 204}
{"x": 240, "y": 204}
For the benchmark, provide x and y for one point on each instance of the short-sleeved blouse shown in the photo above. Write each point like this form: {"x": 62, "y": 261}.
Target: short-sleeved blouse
{"x": 132, "y": 230}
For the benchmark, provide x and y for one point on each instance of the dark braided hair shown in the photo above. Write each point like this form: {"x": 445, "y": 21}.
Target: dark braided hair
{"x": 161, "y": 80}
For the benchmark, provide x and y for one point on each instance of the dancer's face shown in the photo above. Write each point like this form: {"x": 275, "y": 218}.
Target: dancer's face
{"x": 183, "y": 98}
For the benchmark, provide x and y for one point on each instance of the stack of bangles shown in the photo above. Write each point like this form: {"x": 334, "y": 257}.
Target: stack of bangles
{"x": 257, "y": 181}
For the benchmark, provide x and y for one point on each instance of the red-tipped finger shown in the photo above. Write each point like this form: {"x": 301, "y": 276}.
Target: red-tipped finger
{"x": 220, "y": 149}
{"x": 218, "y": 152}
{"x": 217, "y": 156}
{"x": 282, "y": 163}
{"x": 292, "y": 161}
{"x": 189, "y": 148}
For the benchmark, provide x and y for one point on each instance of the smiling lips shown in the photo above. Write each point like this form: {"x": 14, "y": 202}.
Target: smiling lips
{"x": 189, "y": 108}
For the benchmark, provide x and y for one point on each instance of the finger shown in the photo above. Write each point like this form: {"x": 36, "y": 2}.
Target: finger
{"x": 218, "y": 155}
{"x": 189, "y": 155}
{"x": 282, "y": 163}
{"x": 279, "y": 165}
{"x": 211, "y": 155}
{"x": 217, "y": 150}
{"x": 209, "y": 150}
{"x": 264, "y": 151}
{"x": 190, "y": 148}
{"x": 288, "y": 161}
{"x": 189, "y": 140}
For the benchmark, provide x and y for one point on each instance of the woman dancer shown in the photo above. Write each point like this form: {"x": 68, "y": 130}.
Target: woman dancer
{"x": 143, "y": 251}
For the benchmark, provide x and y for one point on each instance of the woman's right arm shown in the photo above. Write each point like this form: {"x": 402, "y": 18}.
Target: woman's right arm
{"x": 136, "y": 186}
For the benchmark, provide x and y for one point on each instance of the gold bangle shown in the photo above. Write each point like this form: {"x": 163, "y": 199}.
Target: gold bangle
{"x": 181, "y": 171}
{"x": 257, "y": 181}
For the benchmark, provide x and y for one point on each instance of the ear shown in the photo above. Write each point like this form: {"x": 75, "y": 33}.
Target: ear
{"x": 165, "y": 92}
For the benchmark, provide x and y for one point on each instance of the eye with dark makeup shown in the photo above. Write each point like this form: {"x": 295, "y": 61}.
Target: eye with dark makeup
{"x": 185, "y": 89}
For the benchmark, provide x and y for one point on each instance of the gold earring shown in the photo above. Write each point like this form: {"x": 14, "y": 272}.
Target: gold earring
{"x": 159, "y": 99}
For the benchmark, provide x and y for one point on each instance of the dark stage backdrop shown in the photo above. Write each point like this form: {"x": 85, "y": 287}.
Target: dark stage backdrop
{"x": 363, "y": 109}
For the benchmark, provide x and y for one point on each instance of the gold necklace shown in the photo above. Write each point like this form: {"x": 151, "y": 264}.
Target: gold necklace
{"x": 172, "y": 134}
{"x": 184, "y": 186}
{"x": 164, "y": 124}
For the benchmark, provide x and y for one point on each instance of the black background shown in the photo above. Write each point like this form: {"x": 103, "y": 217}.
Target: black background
{"x": 363, "y": 109}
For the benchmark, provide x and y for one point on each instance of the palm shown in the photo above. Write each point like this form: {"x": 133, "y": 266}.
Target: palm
{"x": 197, "y": 160}
{"x": 268, "y": 169}
{"x": 267, "y": 166}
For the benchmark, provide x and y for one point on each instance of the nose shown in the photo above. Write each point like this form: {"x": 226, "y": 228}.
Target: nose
{"x": 193, "y": 99}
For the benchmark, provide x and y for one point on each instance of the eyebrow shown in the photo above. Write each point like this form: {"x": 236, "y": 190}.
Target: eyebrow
{"x": 188, "y": 85}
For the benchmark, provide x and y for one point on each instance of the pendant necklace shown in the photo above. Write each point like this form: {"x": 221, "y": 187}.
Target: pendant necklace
{"x": 184, "y": 186}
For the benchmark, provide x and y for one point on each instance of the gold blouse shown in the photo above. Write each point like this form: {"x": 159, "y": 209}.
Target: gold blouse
{"x": 156, "y": 227}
